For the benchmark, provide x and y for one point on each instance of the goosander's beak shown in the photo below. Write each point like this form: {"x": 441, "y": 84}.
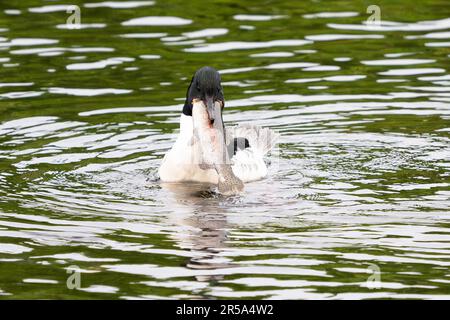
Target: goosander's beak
{"x": 212, "y": 112}
{"x": 214, "y": 109}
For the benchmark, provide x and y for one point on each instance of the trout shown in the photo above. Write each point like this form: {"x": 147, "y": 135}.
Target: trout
{"x": 211, "y": 138}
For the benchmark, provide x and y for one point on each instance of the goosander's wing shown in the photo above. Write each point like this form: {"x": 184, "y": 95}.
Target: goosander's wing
{"x": 261, "y": 140}
{"x": 250, "y": 144}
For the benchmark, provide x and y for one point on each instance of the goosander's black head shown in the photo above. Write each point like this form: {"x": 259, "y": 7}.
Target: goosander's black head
{"x": 205, "y": 86}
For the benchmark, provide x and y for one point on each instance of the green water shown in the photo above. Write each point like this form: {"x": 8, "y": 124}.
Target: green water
{"x": 356, "y": 204}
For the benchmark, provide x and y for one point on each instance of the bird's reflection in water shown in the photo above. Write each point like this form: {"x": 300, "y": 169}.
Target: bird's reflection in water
{"x": 202, "y": 220}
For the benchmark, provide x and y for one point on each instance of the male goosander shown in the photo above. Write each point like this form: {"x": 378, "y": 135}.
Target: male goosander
{"x": 207, "y": 152}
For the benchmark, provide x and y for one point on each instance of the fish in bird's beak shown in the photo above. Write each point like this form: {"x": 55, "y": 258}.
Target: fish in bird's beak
{"x": 204, "y": 102}
{"x": 209, "y": 131}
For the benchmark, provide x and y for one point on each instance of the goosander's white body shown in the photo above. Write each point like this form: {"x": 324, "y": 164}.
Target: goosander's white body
{"x": 181, "y": 163}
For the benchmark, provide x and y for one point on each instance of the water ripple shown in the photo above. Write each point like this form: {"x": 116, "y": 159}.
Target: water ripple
{"x": 358, "y": 181}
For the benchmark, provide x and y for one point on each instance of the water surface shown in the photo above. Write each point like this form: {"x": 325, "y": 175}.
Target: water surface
{"x": 359, "y": 182}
